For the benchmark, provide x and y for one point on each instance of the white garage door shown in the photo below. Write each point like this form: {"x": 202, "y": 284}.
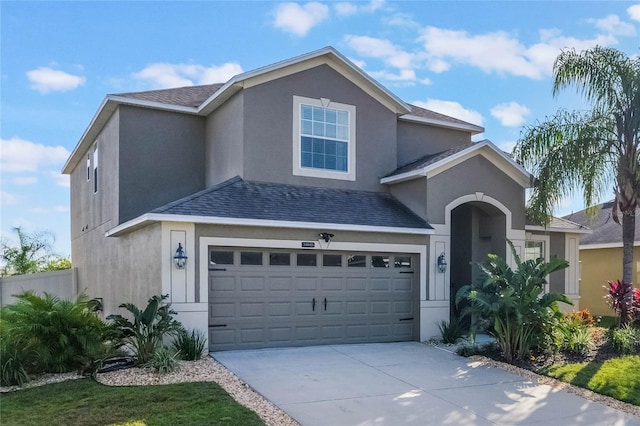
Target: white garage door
{"x": 271, "y": 298}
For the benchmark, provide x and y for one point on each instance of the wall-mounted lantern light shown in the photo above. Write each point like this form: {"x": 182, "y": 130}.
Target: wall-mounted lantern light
{"x": 442, "y": 263}
{"x": 180, "y": 259}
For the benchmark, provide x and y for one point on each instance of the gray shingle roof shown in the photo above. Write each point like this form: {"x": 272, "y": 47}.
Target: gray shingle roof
{"x": 194, "y": 96}
{"x": 605, "y": 230}
{"x": 240, "y": 199}
{"x": 558, "y": 223}
{"x": 427, "y": 160}
{"x": 191, "y": 96}
{"x": 426, "y": 113}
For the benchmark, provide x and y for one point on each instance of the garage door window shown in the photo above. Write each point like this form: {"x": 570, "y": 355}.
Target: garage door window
{"x": 357, "y": 261}
{"x": 379, "y": 261}
{"x": 251, "y": 258}
{"x": 331, "y": 260}
{"x": 307, "y": 259}
{"x": 222, "y": 257}
{"x": 279, "y": 259}
{"x": 402, "y": 262}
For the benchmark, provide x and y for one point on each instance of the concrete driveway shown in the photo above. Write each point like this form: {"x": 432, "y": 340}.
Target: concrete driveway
{"x": 406, "y": 384}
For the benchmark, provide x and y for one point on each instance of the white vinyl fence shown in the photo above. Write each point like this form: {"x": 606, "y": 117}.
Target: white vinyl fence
{"x": 63, "y": 284}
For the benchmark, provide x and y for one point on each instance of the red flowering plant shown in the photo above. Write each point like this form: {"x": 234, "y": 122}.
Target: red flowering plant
{"x": 635, "y": 306}
{"x": 621, "y": 297}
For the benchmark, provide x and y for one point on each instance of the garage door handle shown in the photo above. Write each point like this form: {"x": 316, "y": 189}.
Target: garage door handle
{"x": 218, "y": 325}
{"x": 325, "y": 303}
{"x": 313, "y": 304}
{"x": 406, "y": 272}
{"x": 217, "y": 269}
{"x": 406, "y": 319}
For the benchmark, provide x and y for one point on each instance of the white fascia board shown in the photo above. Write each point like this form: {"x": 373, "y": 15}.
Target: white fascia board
{"x": 605, "y": 246}
{"x": 552, "y": 229}
{"x": 522, "y": 175}
{"x": 123, "y": 100}
{"x": 442, "y": 123}
{"x": 214, "y": 220}
{"x": 237, "y": 81}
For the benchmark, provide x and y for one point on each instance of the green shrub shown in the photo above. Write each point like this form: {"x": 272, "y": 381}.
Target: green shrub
{"x": 450, "y": 331}
{"x": 624, "y": 340}
{"x": 190, "y": 346}
{"x": 13, "y": 363}
{"x": 164, "y": 361}
{"x": 144, "y": 336}
{"x": 514, "y": 302}
{"x": 46, "y": 334}
{"x": 572, "y": 333}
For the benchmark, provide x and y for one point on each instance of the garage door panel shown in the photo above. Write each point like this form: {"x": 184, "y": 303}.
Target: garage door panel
{"x": 222, "y": 310}
{"x": 307, "y": 283}
{"x": 356, "y": 284}
{"x": 249, "y": 284}
{"x": 332, "y": 284}
{"x": 380, "y": 284}
{"x": 222, "y": 284}
{"x": 280, "y": 309}
{"x": 280, "y": 283}
{"x": 272, "y": 305}
{"x": 251, "y": 309}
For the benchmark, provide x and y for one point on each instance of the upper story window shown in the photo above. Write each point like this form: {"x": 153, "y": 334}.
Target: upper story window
{"x": 95, "y": 169}
{"x": 324, "y": 139}
{"x": 88, "y": 167}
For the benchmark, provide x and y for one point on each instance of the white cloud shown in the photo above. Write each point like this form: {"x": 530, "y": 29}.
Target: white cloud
{"x": 47, "y": 210}
{"x": 346, "y": 8}
{"x": 500, "y": 52}
{"x": 507, "y": 146}
{"x": 403, "y": 20}
{"x": 166, "y": 75}
{"x": 19, "y": 155}
{"x": 59, "y": 179}
{"x": 7, "y": 199}
{"x": 510, "y": 114}
{"x": 613, "y": 25}
{"x": 26, "y": 180}
{"x": 360, "y": 63}
{"x": 381, "y": 49}
{"x": 452, "y": 109}
{"x": 634, "y": 12}
{"x": 46, "y": 80}
{"x": 297, "y": 19}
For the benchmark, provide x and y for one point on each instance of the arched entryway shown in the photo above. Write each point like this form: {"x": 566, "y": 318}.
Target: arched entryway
{"x": 477, "y": 229}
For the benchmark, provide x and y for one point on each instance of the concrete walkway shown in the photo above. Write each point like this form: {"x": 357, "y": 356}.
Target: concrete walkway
{"x": 406, "y": 384}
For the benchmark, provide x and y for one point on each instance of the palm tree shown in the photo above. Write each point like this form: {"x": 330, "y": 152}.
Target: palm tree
{"x": 590, "y": 150}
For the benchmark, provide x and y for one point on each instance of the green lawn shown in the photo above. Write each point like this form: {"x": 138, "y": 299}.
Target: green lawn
{"x": 618, "y": 377}
{"x": 85, "y": 402}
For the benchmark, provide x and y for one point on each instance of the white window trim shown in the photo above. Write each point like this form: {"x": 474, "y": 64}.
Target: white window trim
{"x": 547, "y": 241}
{"x": 298, "y": 170}
{"x": 95, "y": 161}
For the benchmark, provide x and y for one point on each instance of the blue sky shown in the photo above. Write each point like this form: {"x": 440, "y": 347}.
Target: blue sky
{"x": 486, "y": 62}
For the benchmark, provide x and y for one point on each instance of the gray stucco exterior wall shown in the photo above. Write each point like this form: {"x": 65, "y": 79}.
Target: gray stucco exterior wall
{"x": 413, "y": 194}
{"x": 223, "y": 146}
{"x": 417, "y": 140}
{"x": 91, "y": 209}
{"x": 120, "y": 269}
{"x": 161, "y": 159}
{"x": 268, "y": 129}
{"x": 477, "y": 174}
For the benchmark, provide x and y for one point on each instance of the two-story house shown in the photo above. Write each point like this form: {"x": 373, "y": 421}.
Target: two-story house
{"x": 300, "y": 203}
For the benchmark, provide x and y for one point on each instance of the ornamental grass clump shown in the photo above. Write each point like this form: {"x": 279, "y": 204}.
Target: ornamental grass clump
{"x": 190, "y": 346}
{"x": 514, "y": 302}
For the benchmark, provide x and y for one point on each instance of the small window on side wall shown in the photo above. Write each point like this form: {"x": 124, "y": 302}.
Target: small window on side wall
{"x": 95, "y": 170}
{"x": 88, "y": 167}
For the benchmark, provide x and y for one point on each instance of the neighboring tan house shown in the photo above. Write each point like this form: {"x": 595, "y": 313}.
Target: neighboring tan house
{"x": 601, "y": 257}
{"x": 313, "y": 206}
